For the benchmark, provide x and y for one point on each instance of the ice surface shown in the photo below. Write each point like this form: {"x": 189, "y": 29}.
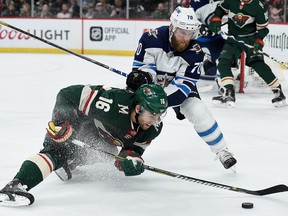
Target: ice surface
{"x": 255, "y": 131}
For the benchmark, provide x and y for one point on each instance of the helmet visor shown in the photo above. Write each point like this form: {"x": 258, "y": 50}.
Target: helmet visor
{"x": 183, "y": 33}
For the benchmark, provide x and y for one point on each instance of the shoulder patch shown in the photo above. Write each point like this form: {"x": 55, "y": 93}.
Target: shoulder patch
{"x": 153, "y": 32}
{"x": 196, "y": 48}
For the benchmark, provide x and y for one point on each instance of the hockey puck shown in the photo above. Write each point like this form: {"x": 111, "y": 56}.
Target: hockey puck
{"x": 247, "y": 205}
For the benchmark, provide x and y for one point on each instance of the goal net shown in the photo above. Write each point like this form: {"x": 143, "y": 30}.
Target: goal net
{"x": 248, "y": 81}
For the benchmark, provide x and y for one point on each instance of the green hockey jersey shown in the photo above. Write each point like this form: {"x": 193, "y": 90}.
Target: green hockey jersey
{"x": 110, "y": 109}
{"x": 245, "y": 19}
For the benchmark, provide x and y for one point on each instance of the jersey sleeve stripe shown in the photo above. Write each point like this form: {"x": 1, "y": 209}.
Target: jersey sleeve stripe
{"x": 261, "y": 26}
{"x": 87, "y": 96}
{"x": 182, "y": 87}
{"x": 88, "y": 102}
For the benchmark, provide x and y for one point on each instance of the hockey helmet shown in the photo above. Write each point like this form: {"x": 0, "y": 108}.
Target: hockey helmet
{"x": 152, "y": 98}
{"x": 186, "y": 19}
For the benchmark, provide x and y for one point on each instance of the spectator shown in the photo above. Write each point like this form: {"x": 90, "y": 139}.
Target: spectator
{"x": 74, "y": 9}
{"x": 275, "y": 9}
{"x": 45, "y": 12}
{"x": 275, "y": 14}
{"x": 118, "y": 11}
{"x": 65, "y": 12}
{"x": 106, "y": 6}
{"x": 90, "y": 11}
{"x": 38, "y": 7}
{"x": 150, "y": 5}
{"x": 136, "y": 10}
{"x": 100, "y": 12}
{"x": 25, "y": 10}
{"x": 56, "y": 6}
{"x": 10, "y": 11}
{"x": 182, "y": 3}
{"x": 160, "y": 12}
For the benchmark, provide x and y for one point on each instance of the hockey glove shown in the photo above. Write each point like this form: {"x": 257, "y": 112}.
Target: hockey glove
{"x": 132, "y": 164}
{"x": 258, "y": 45}
{"x": 137, "y": 78}
{"x": 204, "y": 31}
{"x": 215, "y": 24}
{"x": 59, "y": 134}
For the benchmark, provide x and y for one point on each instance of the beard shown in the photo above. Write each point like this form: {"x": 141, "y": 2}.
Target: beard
{"x": 179, "y": 46}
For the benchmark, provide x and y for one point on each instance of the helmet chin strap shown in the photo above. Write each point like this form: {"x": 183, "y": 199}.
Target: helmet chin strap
{"x": 172, "y": 29}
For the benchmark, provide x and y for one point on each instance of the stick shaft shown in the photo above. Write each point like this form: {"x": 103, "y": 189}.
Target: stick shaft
{"x": 64, "y": 49}
{"x": 249, "y": 46}
{"x": 263, "y": 192}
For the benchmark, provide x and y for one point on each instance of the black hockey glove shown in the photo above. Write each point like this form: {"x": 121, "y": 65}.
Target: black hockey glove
{"x": 137, "y": 78}
{"x": 204, "y": 31}
{"x": 132, "y": 165}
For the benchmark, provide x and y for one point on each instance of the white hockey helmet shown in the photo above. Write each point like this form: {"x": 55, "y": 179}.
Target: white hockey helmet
{"x": 185, "y": 18}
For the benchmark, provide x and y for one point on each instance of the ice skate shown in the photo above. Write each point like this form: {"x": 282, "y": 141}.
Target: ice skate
{"x": 226, "y": 98}
{"x": 279, "y": 99}
{"x": 226, "y": 158}
{"x": 15, "y": 194}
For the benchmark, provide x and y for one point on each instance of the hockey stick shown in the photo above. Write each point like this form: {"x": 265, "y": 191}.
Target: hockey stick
{"x": 75, "y": 54}
{"x": 64, "y": 49}
{"x": 249, "y": 46}
{"x": 271, "y": 190}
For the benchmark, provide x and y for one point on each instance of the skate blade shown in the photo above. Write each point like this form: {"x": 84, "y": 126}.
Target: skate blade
{"x": 233, "y": 169}
{"x": 279, "y": 104}
{"x": 18, "y": 202}
{"x": 62, "y": 174}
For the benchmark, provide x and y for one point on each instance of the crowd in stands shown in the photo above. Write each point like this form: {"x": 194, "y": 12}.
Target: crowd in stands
{"x": 90, "y": 8}
{"x": 276, "y": 10}
{"x": 142, "y": 9}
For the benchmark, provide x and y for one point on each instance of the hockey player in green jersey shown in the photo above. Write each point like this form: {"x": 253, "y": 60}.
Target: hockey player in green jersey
{"x": 247, "y": 25}
{"x": 101, "y": 116}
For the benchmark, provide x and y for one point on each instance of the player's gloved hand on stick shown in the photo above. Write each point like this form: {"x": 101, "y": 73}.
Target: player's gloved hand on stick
{"x": 258, "y": 45}
{"x": 60, "y": 133}
{"x": 132, "y": 164}
{"x": 137, "y": 78}
{"x": 215, "y": 24}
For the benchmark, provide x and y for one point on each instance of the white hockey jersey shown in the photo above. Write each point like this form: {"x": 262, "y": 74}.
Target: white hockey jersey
{"x": 176, "y": 72}
{"x": 206, "y": 11}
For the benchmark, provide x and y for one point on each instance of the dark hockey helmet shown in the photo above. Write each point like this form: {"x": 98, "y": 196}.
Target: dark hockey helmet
{"x": 152, "y": 98}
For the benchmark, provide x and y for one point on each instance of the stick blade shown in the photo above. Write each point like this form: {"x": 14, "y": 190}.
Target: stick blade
{"x": 275, "y": 189}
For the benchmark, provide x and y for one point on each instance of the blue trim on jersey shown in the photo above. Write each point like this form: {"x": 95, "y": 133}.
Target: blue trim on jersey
{"x": 209, "y": 39}
{"x": 184, "y": 88}
{"x": 137, "y": 64}
{"x": 194, "y": 81}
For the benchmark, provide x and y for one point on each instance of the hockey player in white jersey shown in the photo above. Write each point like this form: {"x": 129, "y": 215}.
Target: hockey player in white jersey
{"x": 171, "y": 57}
